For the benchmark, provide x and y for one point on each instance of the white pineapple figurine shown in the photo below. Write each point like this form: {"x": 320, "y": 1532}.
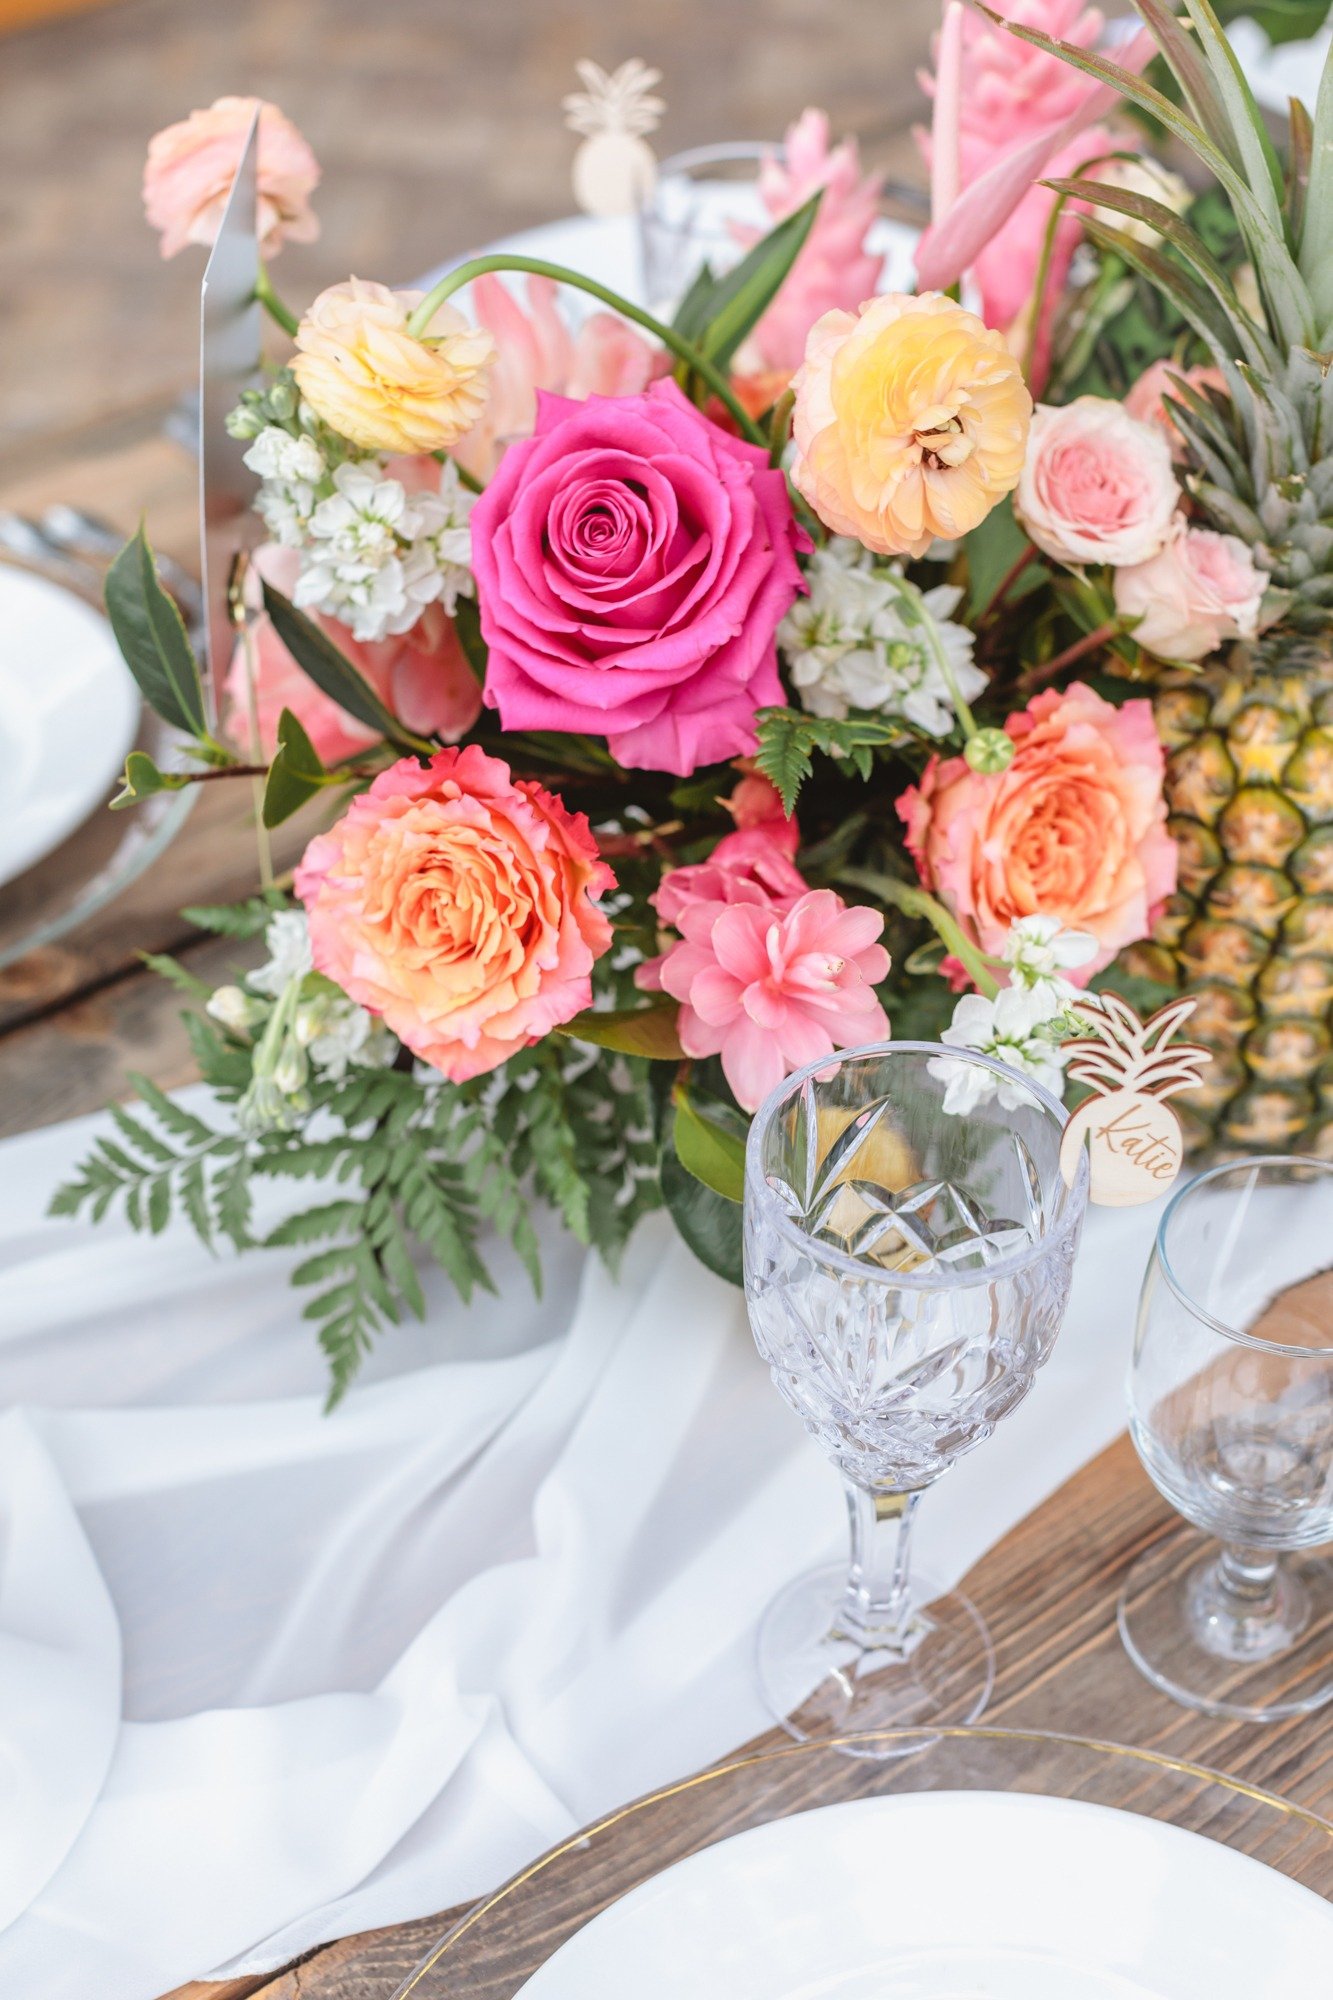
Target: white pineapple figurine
{"x": 614, "y": 168}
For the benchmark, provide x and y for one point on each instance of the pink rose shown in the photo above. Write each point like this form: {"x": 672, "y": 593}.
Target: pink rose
{"x": 1200, "y": 590}
{"x": 769, "y": 988}
{"x": 633, "y": 564}
{"x": 458, "y": 904}
{"x": 191, "y": 166}
{"x": 756, "y": 804}
{"x": 834, "y": 269}
{"x": 536, "y": 350}
{"x": 1075, "y": 828}
{"x": 422, "y": 677}
{"x": 1097, "y": 485}
{"x": 1160, "y": 379}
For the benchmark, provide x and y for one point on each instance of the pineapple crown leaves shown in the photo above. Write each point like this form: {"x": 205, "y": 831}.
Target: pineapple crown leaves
{"x": 618, "y": 101}
{"x": 1122, "y": 1052}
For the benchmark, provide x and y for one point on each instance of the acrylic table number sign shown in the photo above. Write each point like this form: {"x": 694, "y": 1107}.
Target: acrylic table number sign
{"x": 1134, "y": 1141}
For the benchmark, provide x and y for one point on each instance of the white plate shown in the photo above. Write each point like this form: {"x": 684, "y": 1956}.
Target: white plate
{"x": 69, "y": 710}
{"x": 954, "y": 1896}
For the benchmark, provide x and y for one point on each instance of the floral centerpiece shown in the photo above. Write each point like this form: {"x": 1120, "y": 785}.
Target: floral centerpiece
{"x": 682, "y": 702}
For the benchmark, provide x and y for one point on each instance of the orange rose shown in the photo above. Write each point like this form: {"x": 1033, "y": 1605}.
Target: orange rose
{"x": 1074, "y": 829}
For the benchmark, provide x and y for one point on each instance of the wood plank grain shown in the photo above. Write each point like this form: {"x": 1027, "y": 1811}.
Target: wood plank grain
{"x": 1048, "y": 1592}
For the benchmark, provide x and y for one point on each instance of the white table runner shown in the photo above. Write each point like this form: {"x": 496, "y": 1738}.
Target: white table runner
{"x": 268, "y": 1678}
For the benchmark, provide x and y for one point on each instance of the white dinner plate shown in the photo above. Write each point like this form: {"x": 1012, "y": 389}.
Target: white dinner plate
{"x": 954, "y": 1896}
{"x": 69, "y": 710}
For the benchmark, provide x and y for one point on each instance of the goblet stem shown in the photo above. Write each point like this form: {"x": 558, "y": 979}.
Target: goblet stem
{"x": 1243, "y": 1606}
{"x": 877, "y": 1604}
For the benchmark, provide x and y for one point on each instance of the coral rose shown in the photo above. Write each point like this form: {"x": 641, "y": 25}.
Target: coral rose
{"x": 768, "y": 989}
{"x": 191, "y": 166}
{"x": 379, "y": 385}
{"x": 911, "y": 421}
{"x": 1201, "y": 589}
{"x": 458, "y": 904}
{"x": 633, "y": 564}
{"x": 1098, "y": 485}
{"x": 422, "y": 676}
{"x": 1074, "y": 829}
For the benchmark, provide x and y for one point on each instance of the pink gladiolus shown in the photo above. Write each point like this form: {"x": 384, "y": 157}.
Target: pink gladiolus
{"x": 834, "y": 269}
{"x": 769, "y": 990}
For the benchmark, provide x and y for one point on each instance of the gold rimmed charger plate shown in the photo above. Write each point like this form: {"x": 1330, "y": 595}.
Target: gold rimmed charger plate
{"x": 496, "y": 1947}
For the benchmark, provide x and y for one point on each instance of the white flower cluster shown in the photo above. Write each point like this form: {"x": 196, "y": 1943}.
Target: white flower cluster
{"x": 297, "y": 1032}
{"x": 1024, "y": 1025}
{"x": 865, "y": 638}
{"x": 373, "y": 554}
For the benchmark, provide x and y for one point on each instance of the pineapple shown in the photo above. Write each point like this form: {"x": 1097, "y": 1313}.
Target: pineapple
{"x": 1250, "y": 737}
{"x": 614, "y": 168}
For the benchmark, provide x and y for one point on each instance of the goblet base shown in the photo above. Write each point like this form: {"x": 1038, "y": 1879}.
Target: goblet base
{"x": 1258, "y": 1654}
{"x": 821, "y": 1680}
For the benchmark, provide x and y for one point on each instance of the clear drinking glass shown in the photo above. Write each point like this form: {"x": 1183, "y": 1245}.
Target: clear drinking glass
{"x": 907, "y": 1270}
{"x": 1231, "y": 1401}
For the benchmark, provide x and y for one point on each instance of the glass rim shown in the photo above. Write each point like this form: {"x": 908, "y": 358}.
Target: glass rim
{"x": 724, "y": 150}
{"x": 1251, "y": 1162}
{"x": 1157, "y": 1760}
{"x": 1073, "y": 1199}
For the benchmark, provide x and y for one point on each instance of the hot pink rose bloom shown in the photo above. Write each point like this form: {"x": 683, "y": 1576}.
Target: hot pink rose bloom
{"x": 1160, "y": 379}
{"x": 1074, "y": 829}
{"x": 1097, "y": 486}
{"x": 423, "y": 677}
{"x": 191, "y": 166}
{"x": 834, "y": 269}
{"x": 1199, "y": 591}
{"x": 633, "y": 564}
{"x": 459, "y": 904}
{"x": 536, "y": 350}
{"x": 769, "y": 989}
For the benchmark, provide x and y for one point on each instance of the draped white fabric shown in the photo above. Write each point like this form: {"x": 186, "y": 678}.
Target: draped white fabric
{"x": 268, "y": 1677}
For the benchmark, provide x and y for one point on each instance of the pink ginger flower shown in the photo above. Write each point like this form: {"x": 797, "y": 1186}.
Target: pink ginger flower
{"x": 1010, "y": 91}
{"x": 834, "y": 268}
{"x": 536, "y": 350}
{"x": 769, "y": 989}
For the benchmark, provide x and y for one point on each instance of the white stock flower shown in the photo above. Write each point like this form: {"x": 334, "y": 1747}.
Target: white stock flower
{"x": 235, "y": 1010}
{"x": 276, "y": 454}
{"x": 337, "y": 1035}
{"x": 377, "y": 555}
{"x": 861, "y": 640}
{"x": 1040, "y": 949}
{"x": 1026, "y": 1022}
{"x": 287, "y": 938}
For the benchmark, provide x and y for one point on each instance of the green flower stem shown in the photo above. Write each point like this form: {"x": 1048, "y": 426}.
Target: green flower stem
{"x": 940, "y": 654}
{"x": 916, "y": 902}
{"x": 272, "y": 304}
{"x": 684, "y": 350}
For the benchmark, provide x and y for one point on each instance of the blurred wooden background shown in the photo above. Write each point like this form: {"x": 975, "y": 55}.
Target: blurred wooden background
{"x": 437, "y": 122}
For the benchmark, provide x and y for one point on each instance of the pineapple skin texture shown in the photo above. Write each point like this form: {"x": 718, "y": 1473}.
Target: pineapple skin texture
{"x": 1249, "y": 792}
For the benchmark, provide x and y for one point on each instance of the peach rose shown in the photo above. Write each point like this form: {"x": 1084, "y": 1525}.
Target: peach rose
{"x": 459, "y": 905}
{"x": 1200, "y": 590}
{"x": 1098, "y": 485}
{"x": 1074, "y": 829}
{"x": 910, "y": 422}
{"x": 1160, "y": 379}
{"x": 423, "y": 677}
{"x": 190, "y": 168}
{"x": 379, "y": 385}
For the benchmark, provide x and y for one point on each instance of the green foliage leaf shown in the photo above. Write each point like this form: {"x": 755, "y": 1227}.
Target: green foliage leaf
{"x": 141, "y": 779}
{"x": 710, "y": 1225}
{"x": 467, "y": 624}
{"x": 295, "y": 775}
{"x": 708, "y": 1148}
{"x": 151, "y": 634}
{"x": 236, "y": 920}
{"x": 176, "y": 975}
{"x": 788, "y": 739}
{"x": 333, "y": 673}
{"x": 634, "y": 1031}
{"x": 716, "y": 314}
{"x": 992, "y": 550}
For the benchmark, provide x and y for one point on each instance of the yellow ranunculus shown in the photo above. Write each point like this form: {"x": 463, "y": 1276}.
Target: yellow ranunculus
{"x": 911, "y": 422}
{"x": 379, "y": 385}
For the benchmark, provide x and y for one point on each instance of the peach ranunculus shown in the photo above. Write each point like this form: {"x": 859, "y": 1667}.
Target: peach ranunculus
{"x": 911, "y": 421}
{"x": 460, "y": 905}
{"x": 1074, "y": 829}
{"x": 422, "y": 676}
{"x": 1200, "y": 590}
{"x": 1098, "y": 485}
{"x": 536, "y": 350}
{"x": 385, "y": 388}
{"x": 1147, "y": 400}
{"x": 190, "y": 168}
